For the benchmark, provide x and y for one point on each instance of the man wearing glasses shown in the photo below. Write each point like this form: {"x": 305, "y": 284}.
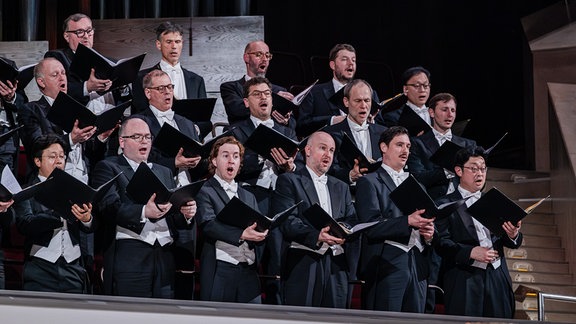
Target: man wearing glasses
{"x": 138, "y": 259}
{"x": 92, "y": 92}
{"x": 476, "y": 277}
{"x": 257, "y": 58}
{"x": 416, "y": 87}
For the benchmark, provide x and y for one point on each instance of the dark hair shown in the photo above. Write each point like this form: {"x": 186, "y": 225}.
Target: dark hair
{"x": 349, "y": 85}
{"x": 255, "y": 81}
{"x": 412, "y": 72}
{"x": 216, "y": 147}
{"x": 147, "y": 80}
{"x": 337, "y": 48}
{"x": 168, "y": 27}
{"x": 74, "y": 17}
{"x": 389, "y": 134}
{"x": 44, "y": 141}
{"x": 440, "y": 97}
{"x": 463, "y": 155}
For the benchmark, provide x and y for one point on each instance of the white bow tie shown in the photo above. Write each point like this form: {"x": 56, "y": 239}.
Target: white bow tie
{"x": 400, "y": 176}
{"x": 166, "y": 114}
{"x": 358, "y": 128}
{"x": 443, "y": 138}
{"x": 322, "y": 179}
{"x": 232, "y": 188}
{"x": 268, "y": 123}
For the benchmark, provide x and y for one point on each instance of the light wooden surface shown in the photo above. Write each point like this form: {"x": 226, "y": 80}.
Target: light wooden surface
{"x": 25, "y": 53}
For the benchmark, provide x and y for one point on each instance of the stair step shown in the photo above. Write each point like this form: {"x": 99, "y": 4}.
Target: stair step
{"x": 528, "y": 266}
{"x": 521, "y": 190}
{"x": 541, "y": 241}
{"x": 566, "y": 290}
{"x": 539, "y": 229}
{"x": 540, "y": 277}
{"x": 535, "y": 254}
{"x": 531, "y": 304}
{"x": 539, "y": 217}
{"x": 557, "y": 317}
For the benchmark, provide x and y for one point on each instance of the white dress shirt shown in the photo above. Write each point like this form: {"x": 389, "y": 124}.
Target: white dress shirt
{"x": 177, "y": 76}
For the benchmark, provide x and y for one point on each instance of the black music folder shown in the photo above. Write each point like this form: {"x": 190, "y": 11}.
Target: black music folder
{"x": 319, "y": 218}
{"x": 121, "y": 73}
{"x": 65, "y": 110}
{"x": 494, "y": 208}
{"x": 284, "y": 106}
{"x": 169, "y": 140}
{"x": 63, "y": 190}
{"x": 349, "y": 151}
{"x": 491, "y": 148}
{"x": 445, "y": 155}
{"x": 413, "y": 122}
{"x": 8, "y": 135}
{"x": 410, "y": 196}
{"x": 393, "y": 103}
{"x": 263, "y": 139}
{"x": 236, "y": 213}
{"x": 196, "y": 110}
{"x": 9, "y": 72}
{"x": 144, "y": 183}
{"x": 459, "y": 127}
{"x": 10, "y": 188}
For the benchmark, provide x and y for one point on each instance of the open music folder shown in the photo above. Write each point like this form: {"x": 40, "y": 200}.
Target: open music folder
{"x": 319, "y": 218}
{"x": 236, "y": 213}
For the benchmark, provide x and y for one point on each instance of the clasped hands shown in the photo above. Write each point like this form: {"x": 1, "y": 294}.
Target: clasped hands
{"x": 84, "y": 213}
{"x": 282, "y": 159}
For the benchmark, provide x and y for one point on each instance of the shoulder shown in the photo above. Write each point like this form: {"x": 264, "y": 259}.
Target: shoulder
{"x": 191, "y": 74}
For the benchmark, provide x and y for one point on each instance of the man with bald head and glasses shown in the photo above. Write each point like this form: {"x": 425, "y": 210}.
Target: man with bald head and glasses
{"x": 78, "y": 29}
{"x": 416, "y": 87}
{"x": 257, "y": 58}
{"x": 138, "y": 237}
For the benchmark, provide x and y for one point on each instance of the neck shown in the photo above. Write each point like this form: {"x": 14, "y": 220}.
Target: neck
{"x": 170, "y": 63}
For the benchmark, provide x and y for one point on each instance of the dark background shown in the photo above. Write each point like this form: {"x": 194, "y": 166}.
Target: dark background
{"x": 476, "y": 50}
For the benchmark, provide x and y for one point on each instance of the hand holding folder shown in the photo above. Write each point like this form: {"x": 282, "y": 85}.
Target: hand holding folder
{"x": 494, "y": 208}
{"x": 285, "y": 106}
{"x": 65, "y": 111}
{"x": 263, "y": 139}
{"x": 62, "y": 190}
{"x": 350, "y": 152}
{"x": 319, "y": 218}
{"x": 236, "y": 213}
{"x": 144, "y": 183}
{"x": 410, "y": 196}
{"x": 10, "y": 188}
{"x": 169, "y": 140}
{"x": 122, "y": 72}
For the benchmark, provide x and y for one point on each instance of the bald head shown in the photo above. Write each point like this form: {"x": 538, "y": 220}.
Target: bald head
{"x": 320, "y": 152}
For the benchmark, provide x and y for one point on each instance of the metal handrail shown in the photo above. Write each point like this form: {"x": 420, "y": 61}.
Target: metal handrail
{"x": 541, "y": 297}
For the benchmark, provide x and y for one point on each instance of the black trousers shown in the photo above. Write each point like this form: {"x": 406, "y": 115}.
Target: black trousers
{"x": 236, "y": 283}
{"x": 41, "y": 275}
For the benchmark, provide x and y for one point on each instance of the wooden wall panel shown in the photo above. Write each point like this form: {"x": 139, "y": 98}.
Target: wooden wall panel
{"x": 215, "y": 53}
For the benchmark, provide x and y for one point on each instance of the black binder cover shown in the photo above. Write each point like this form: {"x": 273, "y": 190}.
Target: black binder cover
{"x": 445, "y": 155}
{"x": 120, "y": 73}
{"x": 350, "y": 151}
{"x": 236, "y": 213}
{"x": 410, "y": 196}
{"x": 66, "y": 110}
{"x": 169, "y": 140}
{"x": 144, "y": 183}
{"x": 6, "y": 136}
{"x": 494, "y": 208}
{"x": 264, "y": 139}
{"x": 196, "y": 110}
{"x": 63, "y": 191}
{"x": 393, "y": 103}
{"x": 414, "y": 123}
{"x": 319, "y": 218}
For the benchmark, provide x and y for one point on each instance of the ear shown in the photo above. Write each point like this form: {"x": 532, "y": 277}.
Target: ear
{"x": 213, "y": 162}
{"x": 346, "y": 102}
{"x": 37, "y": 162}
{"x": 40, "y": 83}
{"x": 383, "y": 147}
{"x": 246, "y": 103}
{"x": 405, "y": 90}
{"x": 158, "y": 45}
{"x": 147, "y": 93}
{"x": 246, "y": 58}
{"x": 458, "y": 170}
{"x": 66, "y": 36}
{"x": 333, "y": 65}
{"x": 431, "y": 112}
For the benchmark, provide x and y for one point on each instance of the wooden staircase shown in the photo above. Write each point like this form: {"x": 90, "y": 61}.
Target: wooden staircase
{"x": 539, "y": 264}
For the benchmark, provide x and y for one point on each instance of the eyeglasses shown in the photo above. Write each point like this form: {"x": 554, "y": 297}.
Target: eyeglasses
{"x": 139, "y": 137}
{"x": 163, "y": 88}
{"x": 258, "y": 93}
{"x": 55, "y": 156}
{"x": 260, "y": 54}
{"x": 419, "y": 86}
{"x": 476, "y": 169}
{"x": 82, "y": 32}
